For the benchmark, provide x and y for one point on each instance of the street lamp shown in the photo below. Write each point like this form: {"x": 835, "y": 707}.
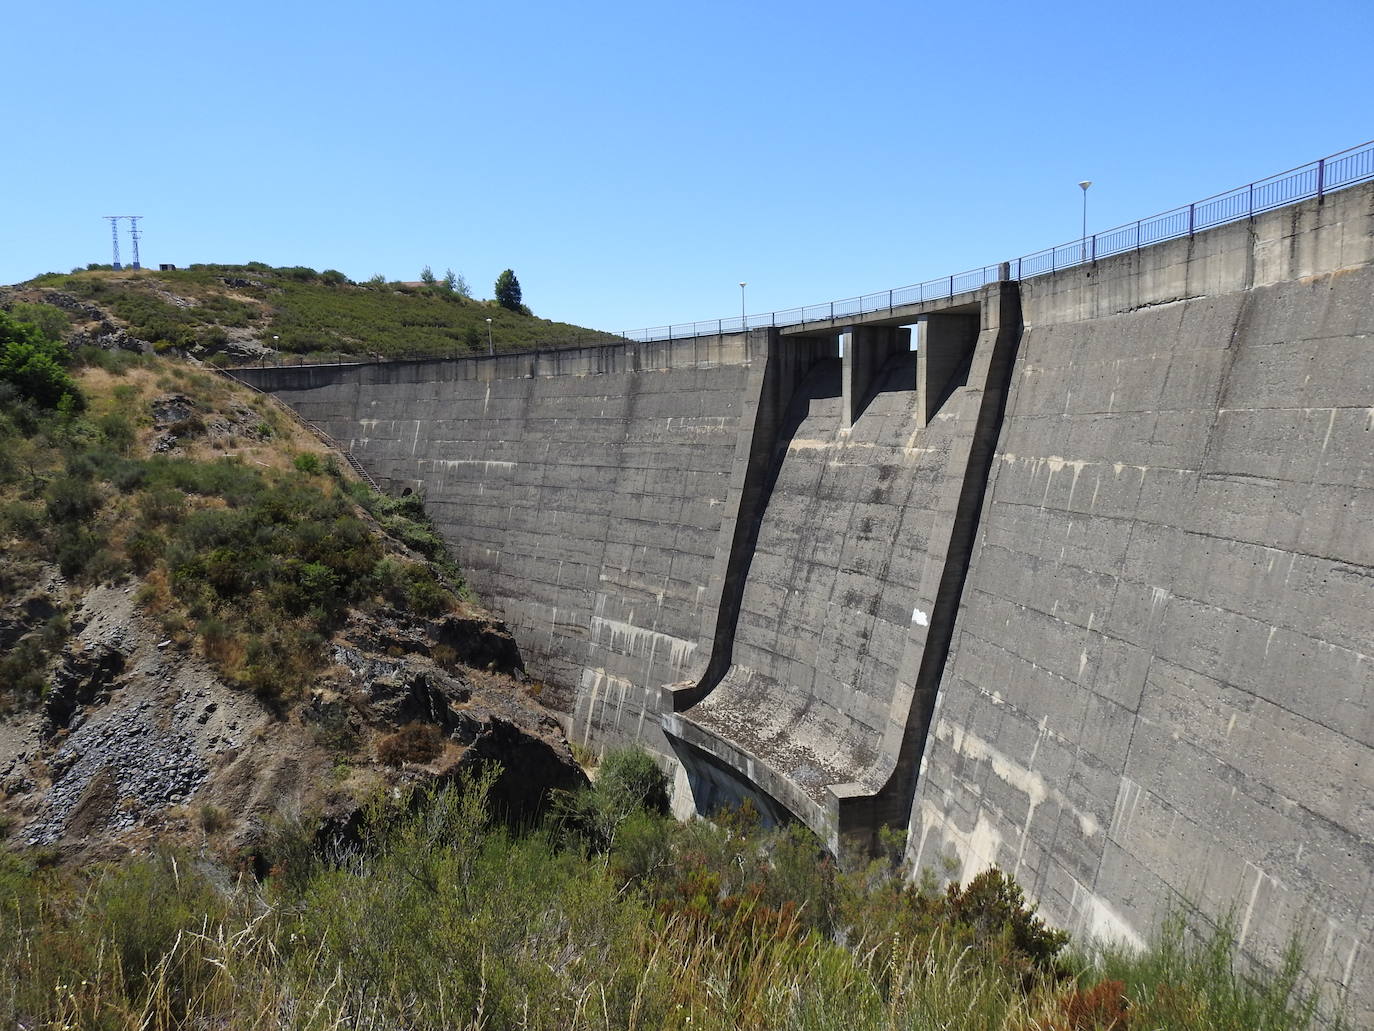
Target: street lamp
{"x": 743, "y": 326}
{"x": 491, "y": 348}
{"x": 1084, "y": 185}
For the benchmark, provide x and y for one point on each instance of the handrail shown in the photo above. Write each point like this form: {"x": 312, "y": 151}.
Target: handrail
{"x": 1314, "y": 179}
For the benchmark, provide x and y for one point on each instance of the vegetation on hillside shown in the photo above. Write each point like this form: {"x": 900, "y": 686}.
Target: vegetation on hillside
{"x": 443, "y": 919}
{"x": 298, "y": 311}
{"x": 251, "y": 559}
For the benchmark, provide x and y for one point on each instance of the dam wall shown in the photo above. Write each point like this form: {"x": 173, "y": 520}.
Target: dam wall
{"x": 1084, "y": 589}
{"x": 583, "y": 493}
{"x": 1160, "y": 686}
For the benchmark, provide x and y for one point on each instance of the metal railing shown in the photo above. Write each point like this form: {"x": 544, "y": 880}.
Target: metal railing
{"x": 1315, "y": 179}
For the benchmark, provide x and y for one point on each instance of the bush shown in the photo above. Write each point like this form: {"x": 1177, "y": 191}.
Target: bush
{"x": 307, "y": 462}
{"x": 413, "y": 743}
{"x": 71, "y": 499}
{"x": 53, "y": 323}
{"x": 631, "y": 780}
{"x": 629, "y": 783}
{"x": 35, "y": 366}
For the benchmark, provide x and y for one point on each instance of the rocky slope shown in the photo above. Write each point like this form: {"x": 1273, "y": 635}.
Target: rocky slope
{"x": 132, "y": 727}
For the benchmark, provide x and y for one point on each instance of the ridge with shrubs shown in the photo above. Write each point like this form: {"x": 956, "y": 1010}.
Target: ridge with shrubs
{"x": 235, "y": 314}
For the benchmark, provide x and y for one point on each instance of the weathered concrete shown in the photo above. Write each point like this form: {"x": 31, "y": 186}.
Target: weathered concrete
{"x": 1104, "y": 582}
{"x": 1161, "y": 680}
{"x": 583, "y": 491}
{"x": 852, "y": 588}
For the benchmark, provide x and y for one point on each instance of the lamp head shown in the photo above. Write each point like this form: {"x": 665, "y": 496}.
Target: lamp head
{"x": 1085, "y": 184}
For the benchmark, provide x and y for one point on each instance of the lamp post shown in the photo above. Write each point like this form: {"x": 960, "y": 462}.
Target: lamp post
{"x": 743, "y": 326}
{"x": 491, "y": 347}
{"x": 1084, "y": 238}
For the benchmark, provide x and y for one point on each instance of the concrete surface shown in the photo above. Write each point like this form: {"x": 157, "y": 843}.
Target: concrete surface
{"x": 1102, "y": 616}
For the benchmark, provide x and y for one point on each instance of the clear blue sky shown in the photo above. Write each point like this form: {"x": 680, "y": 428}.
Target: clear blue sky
{"x": 634, "y": 162}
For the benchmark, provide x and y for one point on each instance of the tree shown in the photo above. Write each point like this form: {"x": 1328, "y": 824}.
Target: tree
{"x": 52, "y": 322}
{"x": 508, "y": 291}
{"x": 427, "y": 276}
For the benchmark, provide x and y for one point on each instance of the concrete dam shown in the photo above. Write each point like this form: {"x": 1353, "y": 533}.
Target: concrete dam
{"x": 1074, "y": 575}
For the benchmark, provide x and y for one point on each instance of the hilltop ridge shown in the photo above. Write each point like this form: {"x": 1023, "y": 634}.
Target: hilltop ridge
{"x": 237, "y": 314}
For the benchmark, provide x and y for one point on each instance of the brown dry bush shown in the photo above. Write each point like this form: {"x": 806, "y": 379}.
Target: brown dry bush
{"x": 413, "y": 743}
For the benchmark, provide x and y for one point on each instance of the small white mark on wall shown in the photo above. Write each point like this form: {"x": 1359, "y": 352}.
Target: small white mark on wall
{"x": 977, "y": 849}
{"x": 1260, "y": 878}
{"x": 487, "y": 464}
{"x": 1101, "y": 923}
{"x": 919, "y": 617}
{"x": 1022, "y": 778}
{"x": 1127, "y": 801}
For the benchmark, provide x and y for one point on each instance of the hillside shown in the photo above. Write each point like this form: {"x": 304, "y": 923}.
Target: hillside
{"x": 207, "y": 625}
{"x": 234, "y": 314}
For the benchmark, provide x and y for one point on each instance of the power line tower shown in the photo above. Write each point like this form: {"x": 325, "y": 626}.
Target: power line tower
{"x": 134, "y": 235}
{"x": 114, "y": 236}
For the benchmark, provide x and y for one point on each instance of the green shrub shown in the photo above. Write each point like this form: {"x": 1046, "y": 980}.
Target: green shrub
{"x": 53, "y": 323}
{"x": 307, "y": 462}
{"x": 118, "y": 431}
{"x": 71, "y": 499}
{"x": 631, "y": 780}
{"x": 34, "y": 365}
{"x": 20, "y": 519}
{"x": 424, "y": 595}
{"x": 84, "y": 555}
{"x": 141, "y": 907}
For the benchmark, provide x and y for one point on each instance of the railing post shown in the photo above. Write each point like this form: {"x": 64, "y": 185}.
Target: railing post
{"x": 1137, "y": 234}
{"x": 951, "y": 286}
{"x": 1252, "y": 200}
{"x": 889, "y": 300}
{"x": 832, "y": 311}
{"x": 1093, "y": 246}
{"x": 1192, "y": 209}
{"x": 1321, "y": 178}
